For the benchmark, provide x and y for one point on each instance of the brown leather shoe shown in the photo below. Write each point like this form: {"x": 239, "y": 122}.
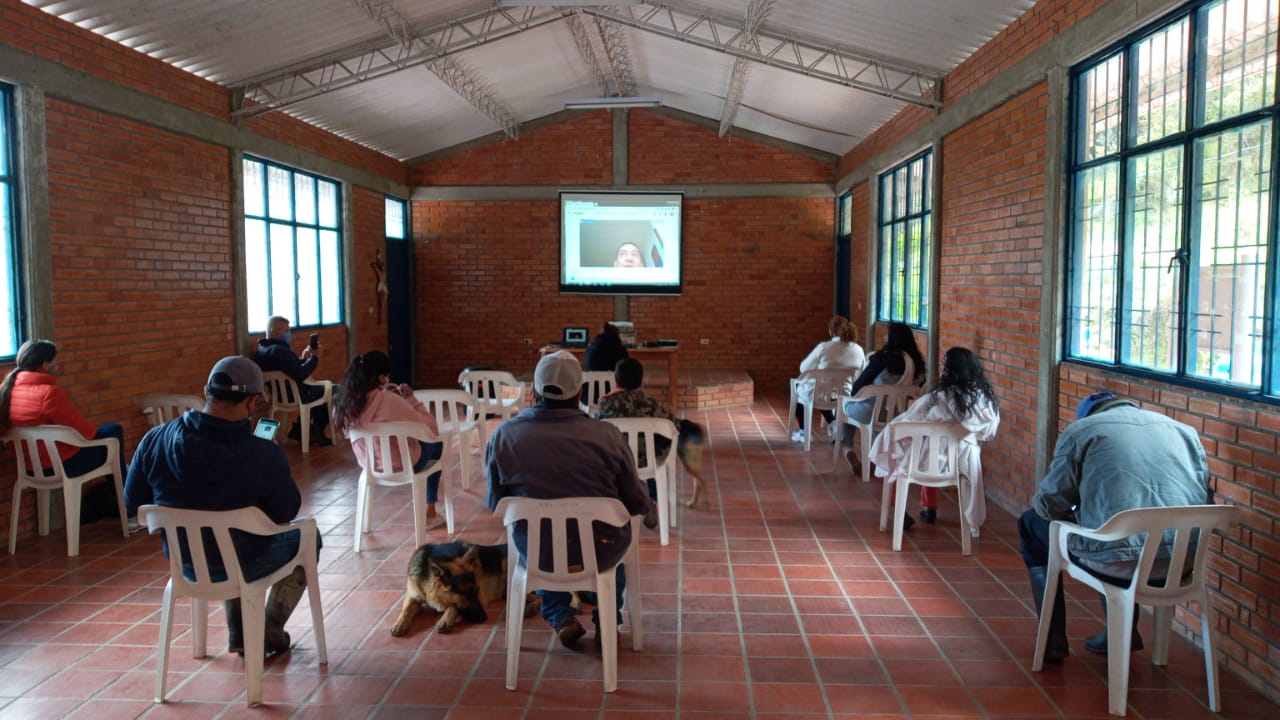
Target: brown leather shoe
{"x": 854, "y": 462}
{"x": 570, "y": 632}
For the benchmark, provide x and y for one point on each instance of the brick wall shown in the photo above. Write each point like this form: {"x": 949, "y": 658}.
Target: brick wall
{"x": 860, "y": 254}
{"x": 142, "y": 260}
{"x": 576, "y": 151}
{"x": 757, "y": 271}
{"x": 991, "y": 212}
{"x": 667, "y": 150}
{"x": 142, "y": 298}
{"x": 992, "y": 215}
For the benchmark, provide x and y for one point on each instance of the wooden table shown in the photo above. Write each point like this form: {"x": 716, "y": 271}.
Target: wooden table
{"x": 646, "y": 355}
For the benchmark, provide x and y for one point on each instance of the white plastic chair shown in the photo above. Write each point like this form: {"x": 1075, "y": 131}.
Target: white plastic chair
{"x": 640, "y": 433}
{"x": 818, "y": 390}
{"x": 931, "y": 461}
{"x": 387, "y": 462}
{"x": 44, "y": 472}
{"x": 1182, "y": 582}
{"x": 177, "y": 523}
{"x": 455, "y": 420}
{"x": 161, "y": 408}
{"x": 561, "y": 514}
{"x": 286, "y": 400}
{"x": 888, "y": 402}
{"x": 599, "y": 383}
{"x": 495, "y": 392}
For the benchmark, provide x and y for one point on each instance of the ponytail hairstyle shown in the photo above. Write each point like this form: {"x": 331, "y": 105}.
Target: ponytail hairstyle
{"x": 843, "y": 329}
{"x": 963, "y": 382}
{"x": 361, "y": 377}
{"x": 31, "y": 356}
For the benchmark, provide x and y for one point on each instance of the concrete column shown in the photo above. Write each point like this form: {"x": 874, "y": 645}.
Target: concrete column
{"x": 1051, "y": 261}
{"x": 33, "y": 200}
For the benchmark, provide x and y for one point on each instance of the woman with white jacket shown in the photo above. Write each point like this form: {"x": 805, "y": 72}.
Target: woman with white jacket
{"x": 962, "y": 394}
{"x": 841, "y": 351}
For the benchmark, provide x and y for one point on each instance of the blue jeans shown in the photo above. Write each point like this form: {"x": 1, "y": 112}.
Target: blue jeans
{"x": 1034, "y": 531}
{"x": 99, "y": 500}
{"x": 278, "y": 550}
{"x": 430, "y": 453}
{"x": 556, "y": 609}
{"x": 89, "y": 458}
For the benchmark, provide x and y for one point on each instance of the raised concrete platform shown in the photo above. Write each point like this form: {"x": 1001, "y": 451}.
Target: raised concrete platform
{"x": 702, "y": 389}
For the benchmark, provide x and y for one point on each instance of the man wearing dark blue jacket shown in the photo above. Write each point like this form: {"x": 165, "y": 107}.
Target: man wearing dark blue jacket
{"x": 210, "y": 460}
{"x": 275, "y": 354}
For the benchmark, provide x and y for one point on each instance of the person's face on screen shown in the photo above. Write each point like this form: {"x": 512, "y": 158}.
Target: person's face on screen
{"x": 628, "y": 256}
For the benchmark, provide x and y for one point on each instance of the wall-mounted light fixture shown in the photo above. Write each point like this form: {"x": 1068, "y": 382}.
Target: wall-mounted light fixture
{"x": 612, "y": 102}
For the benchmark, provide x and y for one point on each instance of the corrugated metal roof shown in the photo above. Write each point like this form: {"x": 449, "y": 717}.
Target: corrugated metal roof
{"x": 530, "y": 73}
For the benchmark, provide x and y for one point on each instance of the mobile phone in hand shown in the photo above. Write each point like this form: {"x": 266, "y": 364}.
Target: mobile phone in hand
{"x": 266, "y": 428}
{"x": 315, "y": 340}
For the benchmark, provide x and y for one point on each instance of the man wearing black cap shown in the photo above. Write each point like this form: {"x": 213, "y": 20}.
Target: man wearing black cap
{"x": 1114, "y": 457}
{"x": 210, "y": 460}
{"x": 554, "y": 450}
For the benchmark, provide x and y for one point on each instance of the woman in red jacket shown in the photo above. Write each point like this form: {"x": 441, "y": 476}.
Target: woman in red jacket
{"x": 30, "y": 396}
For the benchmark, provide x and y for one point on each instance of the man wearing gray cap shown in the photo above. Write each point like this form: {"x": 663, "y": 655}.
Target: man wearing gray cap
{"x": 1114, "y": 457}
{"x": 210, "y": 460}
{"x": 554, "y": 450}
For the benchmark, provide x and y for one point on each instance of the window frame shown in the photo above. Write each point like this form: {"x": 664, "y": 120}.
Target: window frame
{"x": 337, "y": 316}
{"x": 10, "y": 179}
{"x": 891, "y": 271}
{"x": 1195, "y": 128}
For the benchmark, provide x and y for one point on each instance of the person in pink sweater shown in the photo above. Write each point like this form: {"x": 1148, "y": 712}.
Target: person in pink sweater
{"x": 367, "y": 396}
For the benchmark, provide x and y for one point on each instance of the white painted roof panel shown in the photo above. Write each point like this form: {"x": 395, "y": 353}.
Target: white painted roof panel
{"x": 411, "y": 112}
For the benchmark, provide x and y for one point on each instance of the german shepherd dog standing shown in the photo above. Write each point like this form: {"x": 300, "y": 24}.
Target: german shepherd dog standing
{"x": 456, "y": 579}
{"x": 689, "y": 450}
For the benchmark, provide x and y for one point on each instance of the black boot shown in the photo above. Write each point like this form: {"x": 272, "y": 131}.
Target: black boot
{"x": 1098, "y": 643}
{"x": 235, "y": 629}
{"x": 285, "y": 595}
{"x": 1056, "y": 648}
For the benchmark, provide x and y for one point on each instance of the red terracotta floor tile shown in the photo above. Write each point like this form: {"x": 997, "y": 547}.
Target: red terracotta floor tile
{"x": 828, "y": 623}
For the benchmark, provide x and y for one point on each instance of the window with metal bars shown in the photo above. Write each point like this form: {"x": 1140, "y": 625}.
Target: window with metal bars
{"x": 11, "y": 318}
{"x": 397, "y": 220}
{"x": 906, "y": 211}
{"x": 293, "y": 245}
{"x": 1171, "y": 229}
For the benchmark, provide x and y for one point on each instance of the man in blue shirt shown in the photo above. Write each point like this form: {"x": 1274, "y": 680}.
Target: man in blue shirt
{"x": 1114, "y": 457}
{"x": 554, "y": 450}
{"x": 210, "y": 460}
{"x": 275, "y": 354}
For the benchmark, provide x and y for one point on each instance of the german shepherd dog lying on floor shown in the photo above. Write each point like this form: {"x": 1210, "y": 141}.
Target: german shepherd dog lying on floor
{"x": 456, "y": 579}
{"x": 689, "y": 449}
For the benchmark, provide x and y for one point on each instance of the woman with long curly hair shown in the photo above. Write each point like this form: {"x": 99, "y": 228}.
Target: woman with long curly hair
{"x": 961, "y": 394}
{"x": 367, "y": 396}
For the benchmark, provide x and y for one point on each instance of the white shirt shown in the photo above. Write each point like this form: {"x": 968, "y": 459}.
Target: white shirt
{"x": 835, "y": 353}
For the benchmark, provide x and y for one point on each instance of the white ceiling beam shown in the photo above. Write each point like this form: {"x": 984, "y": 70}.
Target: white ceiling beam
{"x": 367, "y": 61}
{"x": 757, "y": 11}
{"x": 462, "y": 80}
{"x": 587, "y": 51}
{"x": 843, "y": 66}
{"x": 617, "y": 55}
